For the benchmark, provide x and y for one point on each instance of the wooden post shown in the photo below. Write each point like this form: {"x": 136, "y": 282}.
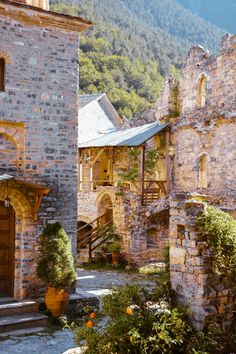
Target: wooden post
{"x": 111, "y": 166}
{"x": 78, "y": 170}
{"x": 167, "y": 157}
{"x": 142, "y": 172}
{"x": 90, "y": 250}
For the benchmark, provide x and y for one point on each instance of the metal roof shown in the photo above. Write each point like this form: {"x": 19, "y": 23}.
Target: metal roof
{"x": 87, "y": 98}
{"x": 130, "y": 137}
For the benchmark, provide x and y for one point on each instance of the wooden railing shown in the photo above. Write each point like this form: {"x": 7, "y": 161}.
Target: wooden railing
{"x": 96, "y": 236}
{"x": 152, "y": 190}
{"x": 91, "y": 185}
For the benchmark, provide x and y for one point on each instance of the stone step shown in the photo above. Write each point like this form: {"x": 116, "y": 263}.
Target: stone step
{"x": 19, "y": 308}
{"x": 7, "y": 300}
{"x": 23, "y": 332}
{"x": 11, "y": 323}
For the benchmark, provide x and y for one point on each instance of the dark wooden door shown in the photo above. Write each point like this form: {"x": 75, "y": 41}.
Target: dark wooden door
{"x": 7, "y": 250}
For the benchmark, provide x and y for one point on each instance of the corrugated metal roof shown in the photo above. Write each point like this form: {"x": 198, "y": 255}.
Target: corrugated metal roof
{"x": 130, "y": 137}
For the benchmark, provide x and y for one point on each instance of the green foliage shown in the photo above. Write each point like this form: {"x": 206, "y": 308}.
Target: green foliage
{"x": 219, "y": 229}
{"x": 148, "y": 329}
{"x": 133, "y": 173}
{"x": 152, "y": 157}
{"x": 132, "y": 46}
{"x": 115, "y": 246}
{"x": 205, "y": 343}
{"x": 55, "y": 264}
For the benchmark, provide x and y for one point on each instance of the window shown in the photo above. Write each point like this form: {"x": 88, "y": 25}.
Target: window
{"x": 2, "y": 74}
{"x": 201, "y": 94}
{"x": 202, "y": 172}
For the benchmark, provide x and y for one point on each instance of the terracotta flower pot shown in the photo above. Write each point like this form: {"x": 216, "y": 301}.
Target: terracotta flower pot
{"x": 116, "y": 258}
{"x": 56, "y": 301}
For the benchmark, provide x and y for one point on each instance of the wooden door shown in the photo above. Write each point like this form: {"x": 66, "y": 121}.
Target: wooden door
{"x": 7, "y": 250}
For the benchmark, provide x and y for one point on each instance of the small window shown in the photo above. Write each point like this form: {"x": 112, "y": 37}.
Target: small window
{"x": 2, "y": 74}
{"x": 201, "y": 94}
{"x": 202, "y": 172}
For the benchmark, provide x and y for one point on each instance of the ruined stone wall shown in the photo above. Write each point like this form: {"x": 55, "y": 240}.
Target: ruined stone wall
{"x": 207, "y": 295}
{"x": 204, "y": 169}
{"x": 219, "y": 74}
{"x": 39, "y": 112}
{"x": 203, "y": 134}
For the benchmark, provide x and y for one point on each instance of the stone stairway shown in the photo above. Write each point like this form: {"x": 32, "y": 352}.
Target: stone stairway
{"x": 23, "y": 314}
{"x": 83, "y": 256}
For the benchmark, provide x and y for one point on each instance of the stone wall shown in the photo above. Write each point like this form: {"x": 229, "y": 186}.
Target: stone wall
{"x": 207, "y": 295}
{"x": 39, "y": 114}
{"x": 204, "y": 163}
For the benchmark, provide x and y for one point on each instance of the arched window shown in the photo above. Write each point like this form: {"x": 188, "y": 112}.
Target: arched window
{"x": 202, "y": 171}
{"x": 201, "y": 93}
{"x": 2, "y": 74}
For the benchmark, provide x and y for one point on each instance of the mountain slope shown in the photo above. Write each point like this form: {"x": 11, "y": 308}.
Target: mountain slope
{"x": 173, "y": 18}
{"x": 220, "y": 12}
{"x": 132, "y": 46}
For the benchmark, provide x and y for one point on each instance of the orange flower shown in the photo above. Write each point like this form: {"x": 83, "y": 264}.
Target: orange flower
{"x": 128, "y": 311}
{"x": 92, "y": 315}
{"x": 89, "y": 324}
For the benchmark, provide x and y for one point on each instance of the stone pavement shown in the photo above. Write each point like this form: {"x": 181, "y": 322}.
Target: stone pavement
{"x": 44, "y": 341}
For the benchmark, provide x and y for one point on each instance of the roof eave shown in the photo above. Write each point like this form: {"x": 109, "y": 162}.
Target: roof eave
{"x": 43, "y": 18}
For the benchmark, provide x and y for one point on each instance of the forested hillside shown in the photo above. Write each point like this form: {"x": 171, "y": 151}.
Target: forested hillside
{"x": 220, "y": 12}
{"x": 132, "y": 46}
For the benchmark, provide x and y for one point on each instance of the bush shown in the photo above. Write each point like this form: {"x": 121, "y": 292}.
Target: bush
{"x": 136, "y": 324}
{"x": 55, "y": 265}
{"x": 219, "y": 229}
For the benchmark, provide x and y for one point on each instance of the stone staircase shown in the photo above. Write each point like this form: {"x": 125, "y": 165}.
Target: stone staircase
{"x": 83, "y": 256}
{"x": 23, "y": 314}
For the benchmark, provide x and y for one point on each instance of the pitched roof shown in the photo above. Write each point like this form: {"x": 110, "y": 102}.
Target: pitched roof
{"x": 130, "y": 137}
{"x": 86, "y": 99}
{"x": 96, "y": 114}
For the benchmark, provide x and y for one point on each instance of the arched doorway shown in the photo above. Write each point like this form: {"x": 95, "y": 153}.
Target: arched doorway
{"x": 7, "y": 250}
{"x": 105, "y": 209}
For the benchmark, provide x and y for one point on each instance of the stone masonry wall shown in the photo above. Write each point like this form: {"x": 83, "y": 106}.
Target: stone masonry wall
{"x": 204, "y": 169}
{"x": 207, "y": 131}
{"x": 207, "y": 295}
{"x": 40, "y": 102}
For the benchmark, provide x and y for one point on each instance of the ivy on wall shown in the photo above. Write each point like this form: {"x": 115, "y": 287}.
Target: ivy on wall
{"x": 219, "y": 229}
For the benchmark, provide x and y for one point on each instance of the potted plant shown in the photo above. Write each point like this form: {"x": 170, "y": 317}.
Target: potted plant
{"x": 55, "y": 267}
{"x": 115, "y": 248}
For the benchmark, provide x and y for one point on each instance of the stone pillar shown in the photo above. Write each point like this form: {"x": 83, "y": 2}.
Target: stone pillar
{"x": 207, "y": 295}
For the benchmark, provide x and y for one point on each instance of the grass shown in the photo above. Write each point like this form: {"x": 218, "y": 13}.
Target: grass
{"x": 107, "y": 267}
{"x": 152, "y": 269}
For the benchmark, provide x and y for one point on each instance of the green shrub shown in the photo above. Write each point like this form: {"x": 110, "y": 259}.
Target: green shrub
{"x": 219, "y": 229}
{"x": 55, "y": 265}
{"x": 136, "y": 325}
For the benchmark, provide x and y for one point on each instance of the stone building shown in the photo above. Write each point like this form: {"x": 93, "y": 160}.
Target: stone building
{"x": 38, "y": 134}
{"x": 115, "y": 185}
{"x": 201, "y": 110}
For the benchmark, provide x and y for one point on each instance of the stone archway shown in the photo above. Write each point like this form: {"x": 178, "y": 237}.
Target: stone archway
{"x": 105, "y": 207}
